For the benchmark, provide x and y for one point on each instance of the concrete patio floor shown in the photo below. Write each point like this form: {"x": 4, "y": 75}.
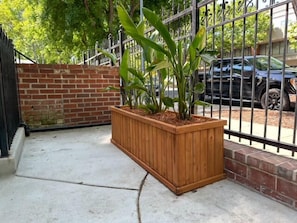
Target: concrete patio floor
{"x": 77, "y": 175}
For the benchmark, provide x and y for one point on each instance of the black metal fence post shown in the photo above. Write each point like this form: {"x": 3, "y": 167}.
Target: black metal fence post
{"x": 109, "y": 47}
{"x": 121, "y": 53}
{"x": 3, "y": 125}
{"x": 195, "y": 28}
{"x": 9, "y": 104}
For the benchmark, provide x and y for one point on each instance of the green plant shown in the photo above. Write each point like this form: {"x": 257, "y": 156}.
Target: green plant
{"x": 139, "y": 87}
{"x": 164, "y": 57}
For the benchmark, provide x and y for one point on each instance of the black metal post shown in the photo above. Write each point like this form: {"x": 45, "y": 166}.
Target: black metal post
{"x": 109, "y": 47}
{"x": 195, "y": 28}
{"x": 121, "y": 53}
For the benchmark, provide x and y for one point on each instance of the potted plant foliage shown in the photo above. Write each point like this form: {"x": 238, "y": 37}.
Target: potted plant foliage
{"x": 181, "y": 150}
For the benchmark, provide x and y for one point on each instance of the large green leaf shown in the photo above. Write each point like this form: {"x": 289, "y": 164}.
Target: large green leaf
{"x": 124, "y": 66}
{"x": 186, "y": 67}
{"x": 141, "y": 27}
{"x": 126, "y": 21}
{"x": 207, "y": 57}
{"x": 158, "y": 66}
{"x": 150, "y": 43}
{"x": 198, "y": 43}
{"x": 137, "y": 86}
{"x": 202, "y": 103}
{"x": 168, "y": 102}
{"x": 157, "y": 23}
{"x": 138, "y": 74}
{"x": 195, "y": 63}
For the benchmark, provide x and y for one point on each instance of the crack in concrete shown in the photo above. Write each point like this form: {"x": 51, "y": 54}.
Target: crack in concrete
{"x": 77, "y": 183}
{"x": 138, "y": 198}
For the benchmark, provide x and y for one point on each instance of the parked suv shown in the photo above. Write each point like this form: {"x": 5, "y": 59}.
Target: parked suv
{"x": 228, "y": 73}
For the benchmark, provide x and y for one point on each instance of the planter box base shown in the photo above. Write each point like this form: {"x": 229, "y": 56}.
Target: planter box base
{"x": 183, "y": 158}
{"x": 178, "y": 190}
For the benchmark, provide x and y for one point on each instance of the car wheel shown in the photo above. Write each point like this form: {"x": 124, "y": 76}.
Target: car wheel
{"x": 274, "y": 100}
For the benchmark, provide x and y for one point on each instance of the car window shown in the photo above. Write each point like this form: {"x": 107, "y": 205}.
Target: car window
{"x": 217, "y": 66}
{"x": 262, "y": 63}
{"x": 238, "y": 66}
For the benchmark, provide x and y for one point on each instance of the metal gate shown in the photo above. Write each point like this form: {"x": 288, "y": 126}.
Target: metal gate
{"x": 9, "y": 107}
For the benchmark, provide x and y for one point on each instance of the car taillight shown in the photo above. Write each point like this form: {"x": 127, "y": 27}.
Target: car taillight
{"x": 293, "y": 82}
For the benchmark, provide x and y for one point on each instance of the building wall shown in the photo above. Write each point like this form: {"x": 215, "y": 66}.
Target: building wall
{"x": 66, "y": 95}
{"x": 271, "y": 175}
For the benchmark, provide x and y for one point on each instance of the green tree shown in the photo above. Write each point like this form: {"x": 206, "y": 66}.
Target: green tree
{"x": 234, "y": 31}
{"x": 59, "y": 30}
{"x": 292, "y": 36}
{"x": 21, "y": 20}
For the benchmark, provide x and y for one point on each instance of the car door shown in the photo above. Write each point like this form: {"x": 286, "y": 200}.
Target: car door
{"x": 241, "y": 72}
{"x": 218, "y": 83}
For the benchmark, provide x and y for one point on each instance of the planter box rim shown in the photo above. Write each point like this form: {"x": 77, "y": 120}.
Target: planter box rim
{"x": 211, "y": 123}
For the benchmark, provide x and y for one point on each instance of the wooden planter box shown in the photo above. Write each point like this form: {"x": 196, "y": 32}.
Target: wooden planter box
{"x": 183, "y": 158}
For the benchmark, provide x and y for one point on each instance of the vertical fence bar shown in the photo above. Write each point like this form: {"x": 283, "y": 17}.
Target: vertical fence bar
{"x": 231, "y": 71}
{"x": 242, "y": 68}
{"x": 121, "y": 53}
{"x": 3, "y": 125}
{"x": 268, "y": 74}
{"x": 109, "y": 47}
{"x": 96, "y": 53}
{"x": 283, "y": 74}
{"x": 85, "y": 58}
{"x": 195, "y": 27}
{"x": 254, "y": 70}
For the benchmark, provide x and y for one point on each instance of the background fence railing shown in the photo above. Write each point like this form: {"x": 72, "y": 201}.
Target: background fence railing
{"x": 236, "y": 29}
{"x": 9, "y": 105}
{"x": 22, "y": 58}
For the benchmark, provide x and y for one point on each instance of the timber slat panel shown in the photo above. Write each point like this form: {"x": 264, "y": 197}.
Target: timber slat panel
{"x": 203, "y": 155}
{"x": 196, "y": 156}
{"x": 163, "y": 158}
{"x": 182, "y": 159}
{"x": 150, "y": 150}
{"x": 189, "y": 157}
{"x": 210, "y": 152}
{"x": 219, "y": 149}
{"x": 140, "y": 140}
{"x": 133, "y": 132}
{"x": 169, "y": 156}
{"x": 158, "y": 151}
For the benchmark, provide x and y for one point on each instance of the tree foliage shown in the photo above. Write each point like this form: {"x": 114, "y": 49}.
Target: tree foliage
{"x": 235, "y": 32}
{"x": 21, "y": 20}
{"x": 56, "y": 31}
{"x": 292, "y": 35}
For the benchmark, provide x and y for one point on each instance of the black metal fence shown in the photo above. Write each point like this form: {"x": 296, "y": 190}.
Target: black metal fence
{"x": 9, "y": 105}
{"x": 254, "y": 100}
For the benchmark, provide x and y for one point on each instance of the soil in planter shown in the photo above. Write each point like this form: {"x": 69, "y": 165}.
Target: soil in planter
{"x": 169, "y": 117}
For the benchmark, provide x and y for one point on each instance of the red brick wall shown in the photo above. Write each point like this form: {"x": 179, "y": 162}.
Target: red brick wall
{"x": 269, "y": 174}
{"x": 66, "y": 95}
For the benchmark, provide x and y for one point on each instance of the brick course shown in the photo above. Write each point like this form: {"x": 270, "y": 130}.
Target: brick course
{"x": 66, "y": 95}
{"x": 269, "y": 174}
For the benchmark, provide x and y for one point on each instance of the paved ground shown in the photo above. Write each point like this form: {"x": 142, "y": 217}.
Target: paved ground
{"x": 79, "y": 176}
